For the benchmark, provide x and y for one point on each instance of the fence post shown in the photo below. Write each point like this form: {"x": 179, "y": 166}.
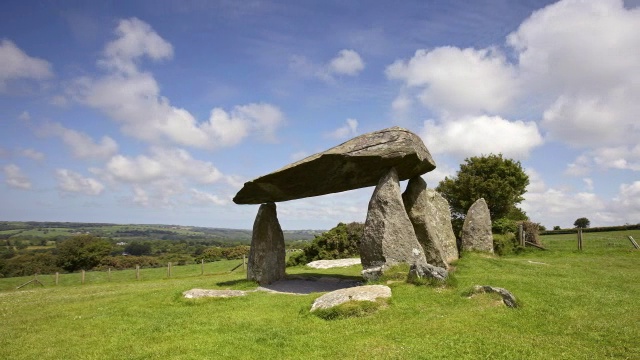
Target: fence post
{"x": 83, "y": 276}
{"x": 202, "y": 267}
{"x": 57, "y": 277}
{"x": 244, "y": 262}
{"x": 109, "y": 275}
{"x": 579, "y": 239}
{"x": 137, "y": 272}
{"x": 169, "y": 269}
{"x": 521, "y": 234}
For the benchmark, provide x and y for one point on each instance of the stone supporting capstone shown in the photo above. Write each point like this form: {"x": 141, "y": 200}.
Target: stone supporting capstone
{"x": 431, "y": 218}
{"x": 388, "y": 237}
{"x": 266, "y": 262}
{"x": 476, "y": 230}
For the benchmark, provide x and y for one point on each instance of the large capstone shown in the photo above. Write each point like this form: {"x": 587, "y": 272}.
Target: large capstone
{"x": 388, "y": 237}
{"x": 476, "y": 230}
{"x": 357, "y": 163}
{"x": 431, "y": 218}
{"x": 267, "y": 255}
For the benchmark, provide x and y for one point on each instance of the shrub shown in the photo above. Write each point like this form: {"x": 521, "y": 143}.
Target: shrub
{"x": 504, "y": 226}
{"x": 504, "y": 244}
{"x": 341, "y": 242}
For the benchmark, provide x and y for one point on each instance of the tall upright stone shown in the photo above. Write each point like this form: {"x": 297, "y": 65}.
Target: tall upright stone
{"x": 476, "y": 230}
{"x": 388, "y": 236}
{"x": 431, "y": 219}
{"x": 267, "y": 255}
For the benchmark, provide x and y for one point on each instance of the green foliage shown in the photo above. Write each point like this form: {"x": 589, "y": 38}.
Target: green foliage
{"x": 501, "y": 182}
{"x": 504, "y": 226}
{"x": 29, "y": 264}
{"x": 350, "y": 309}
{"x": 82, "y": 252}
{"x": 138, "y": 249}
{"x": 505, "y": 244}
{"x": 557, "y": 227}
{"x": 582, "y": 223}
{"x": 128, "y": 262}
{"x": 338, "y": 243}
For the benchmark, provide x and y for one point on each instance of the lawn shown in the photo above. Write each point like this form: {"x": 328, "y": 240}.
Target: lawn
{"x": 575, "y": 305}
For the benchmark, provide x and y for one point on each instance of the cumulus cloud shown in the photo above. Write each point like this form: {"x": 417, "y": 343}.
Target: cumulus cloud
{"x": 349, "y": 129}
{"x": 72, "y": 182}
{"x": 455, "y": 80}
{"x": 15, "y": 178}
{"x": 482, "y": 135}
{"x": 161, "y": 164}
{"x": 628, "y": 202}
{"x": 16, "y": 64}
{"x": 347, "y": 62}
{"x": 203, "y": 198}
{"x": 132, "y": 98}
{"x": 81, "y": 145}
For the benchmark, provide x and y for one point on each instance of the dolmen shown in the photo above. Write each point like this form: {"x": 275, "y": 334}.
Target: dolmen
{"x": 399, "y": 228}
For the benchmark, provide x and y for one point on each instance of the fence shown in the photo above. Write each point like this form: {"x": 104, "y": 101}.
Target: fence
{"x": 170, "y": 271}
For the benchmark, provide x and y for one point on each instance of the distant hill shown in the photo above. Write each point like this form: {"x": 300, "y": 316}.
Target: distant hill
{"x": 59, "y": 230}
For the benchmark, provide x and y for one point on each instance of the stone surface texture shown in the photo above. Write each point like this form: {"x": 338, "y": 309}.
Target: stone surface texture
{"x": 200, "y": 293}
{"x": 431, "y": 218}
{"x": 426, "y": 271}
{"x": 357, "y": 163}
{"x": 266, "y": 262}
{"x": 327, "y": 264}
{"x": 507, "y": 297}
{"x": 476, "y": 230}
{"x": 359, "y": 293}
{"x": 388, "y": 236}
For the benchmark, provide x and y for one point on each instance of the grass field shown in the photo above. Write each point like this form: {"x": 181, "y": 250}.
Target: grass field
{"x": 575, "y": 305}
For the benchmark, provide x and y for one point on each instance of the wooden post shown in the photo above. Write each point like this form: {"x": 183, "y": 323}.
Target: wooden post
{"x": 202, "y": 267}
{"x": 521, "y": 234}
{"x": 579, "y": 239}
{"x": 633, "y": 242}
{"x": 109, "y": 275}
{"x": 137, "y": 272}
{"x": 57, "y": 277}
{"x": 83, "y": 276}
{"x": 169, "y": 269}
{"x": 244, "y": 262}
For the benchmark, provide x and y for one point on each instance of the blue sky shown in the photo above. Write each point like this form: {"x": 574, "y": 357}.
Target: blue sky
{"x": 158, "y": 111}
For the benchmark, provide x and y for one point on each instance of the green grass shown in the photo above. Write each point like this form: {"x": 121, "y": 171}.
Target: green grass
{"x": 574, "y": 305}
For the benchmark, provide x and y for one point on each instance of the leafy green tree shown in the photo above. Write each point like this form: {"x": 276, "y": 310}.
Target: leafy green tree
{"x": 501, "y": 182}
{"x": 557, "y": 227}
{"x": 82, "y": 252}
{"x": 341, "y": 242}
{"x": 582, "y": 223}
{"x": 138, "y": 249}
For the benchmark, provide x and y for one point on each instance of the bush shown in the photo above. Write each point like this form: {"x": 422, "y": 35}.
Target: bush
{"x": 504, "y": 226}
{"x": 128, "y": 262}
{"x": 341, "y": 242}
{"x": 504, "y": 244}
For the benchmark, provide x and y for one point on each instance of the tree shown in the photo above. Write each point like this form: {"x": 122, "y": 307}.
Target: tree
{"x": 582, "y": 223}
{"x": 82, "y": 252}
{"x": 557, "y": 227}
{"x": 341, "y": 242}
{"x": 501, "y": 182}
{"x": 138, "y": 249}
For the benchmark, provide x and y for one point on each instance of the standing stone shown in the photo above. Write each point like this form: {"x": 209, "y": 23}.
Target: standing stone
{"x": 476, "y": 231}
{"x": 431, "y": 218}
{"x": 388, "y": 237}
{"x": 267, "y": 255}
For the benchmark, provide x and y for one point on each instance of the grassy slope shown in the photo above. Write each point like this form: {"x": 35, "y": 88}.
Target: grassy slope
{"x": 575, "y": 305}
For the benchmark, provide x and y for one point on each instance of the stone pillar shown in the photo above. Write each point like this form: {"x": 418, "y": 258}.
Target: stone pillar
{"x": 266, "y": 262}
{"x": 431, "y": 218}
{"x": 388, "y": 237}
{"x": 476, "y": 230}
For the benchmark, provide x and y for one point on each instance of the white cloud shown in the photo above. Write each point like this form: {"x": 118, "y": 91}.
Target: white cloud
{"x": 349, "y": 129}
{"x": 617, "y": 157}
{"x": 132, "y": 98}
{"x": 482, "y": 135}
{"x": 347, "y": 62}
{"x": 455, "y": 80}
{"x": 162, "y": 164}
{"x": 32, "y": 154}
{"x": 135, "y": 39}
{"x": 627, "y": 202}
{"x": 25, "y": 116}
{"x": 203, "y": 198}
{"x": 15, "y": 178}
{"x": 16, "y": 64}
{"x": 588, "y": 184}
{"x": 81, "y": 145}
{"x": 69, "y": 181}
{"x": 163, "y": 193}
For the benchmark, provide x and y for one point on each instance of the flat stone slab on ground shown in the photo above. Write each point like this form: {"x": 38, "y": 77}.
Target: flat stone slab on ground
{"x": 327, "y": 264}
{"x": 200, "y": 293}
{"x": 359, "y": 293}
{"x": 308, "y": 286}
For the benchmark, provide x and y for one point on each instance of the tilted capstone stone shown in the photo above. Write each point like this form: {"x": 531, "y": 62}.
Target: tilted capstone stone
{"x": 388, "y": 237}
{"x": 476, "y": 230}
{"x": 266, "y": 262}
{"x": 431, "y": 218}
{"x": 357, "y": 163}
